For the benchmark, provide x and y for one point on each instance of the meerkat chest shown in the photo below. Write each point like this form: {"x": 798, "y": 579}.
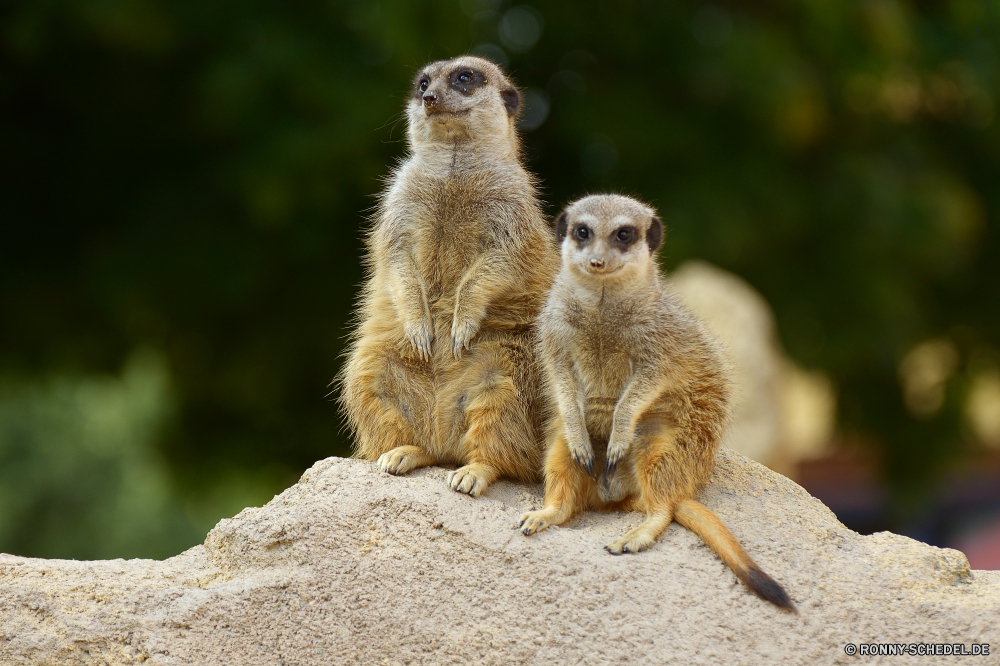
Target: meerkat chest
{"x": 461, "y": 222}
{"x": 603, "y": 374}
{"x": 450, "y": 229}
{"x": 603, "y": 363}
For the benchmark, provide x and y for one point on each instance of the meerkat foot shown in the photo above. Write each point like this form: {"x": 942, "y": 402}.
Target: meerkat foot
{"x": 402, "y": 459}
{"x": 471, "y": 480}
{"x": 641, "y": 537}
{"x": 536, "y": 521}
{"x": 633, "y": 541}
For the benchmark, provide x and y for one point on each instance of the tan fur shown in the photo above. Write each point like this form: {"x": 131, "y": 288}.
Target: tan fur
{"x": 441, "y": 367}
{"x": 641, "y": 390}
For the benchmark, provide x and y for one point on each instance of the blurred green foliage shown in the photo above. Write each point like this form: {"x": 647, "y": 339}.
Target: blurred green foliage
{"x": 183, "y": 187}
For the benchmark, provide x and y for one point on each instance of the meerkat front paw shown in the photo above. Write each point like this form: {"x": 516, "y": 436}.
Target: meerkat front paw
{"x": 469, "y": 480}
{"x": 617, "y": 448}
{"x": 582, "y": 455}
{"x": 633, "y": 541}
{"x": 462, "y": 333}
{"x": 535, "y": 521}
{"x": 419, "y": 335}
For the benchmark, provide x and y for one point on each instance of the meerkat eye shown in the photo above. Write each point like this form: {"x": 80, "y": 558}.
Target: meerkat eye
{"x": 582, "y": 233}
{"x": 465, "y": 77}
{"x": 424, "y": 83}
{"x": 624, "y": 234}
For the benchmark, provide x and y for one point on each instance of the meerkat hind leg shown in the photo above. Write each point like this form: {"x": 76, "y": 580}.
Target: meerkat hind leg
{"x": 387, "y": 400}
{"x": 499, "y": 439}
{"x": 661, "y": 484}
{"x": 565, "y": 488}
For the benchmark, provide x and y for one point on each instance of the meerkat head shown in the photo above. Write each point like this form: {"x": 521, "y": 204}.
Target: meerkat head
{"x": 466, "y": 97}
{"x": 608, "y": 237}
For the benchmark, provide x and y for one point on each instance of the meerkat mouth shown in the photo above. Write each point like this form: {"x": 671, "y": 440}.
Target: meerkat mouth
{"x": 444, "y": 114}
{"x": 604, "y": 272}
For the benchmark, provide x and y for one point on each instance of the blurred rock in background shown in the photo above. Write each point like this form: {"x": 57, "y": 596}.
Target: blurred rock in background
{"x": 782, "y": 413}
{"x": 785, "y": 417}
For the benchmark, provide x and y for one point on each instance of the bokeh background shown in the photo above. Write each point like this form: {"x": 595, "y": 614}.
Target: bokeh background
{"x": 183, "y": 188}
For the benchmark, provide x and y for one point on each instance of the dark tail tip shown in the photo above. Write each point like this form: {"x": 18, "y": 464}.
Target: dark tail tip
{"x": 768, "y": 589}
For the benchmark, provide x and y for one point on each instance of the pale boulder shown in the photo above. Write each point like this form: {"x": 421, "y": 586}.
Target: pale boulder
{"x": 782, "y": 413}
{"x": 354, "y": 566}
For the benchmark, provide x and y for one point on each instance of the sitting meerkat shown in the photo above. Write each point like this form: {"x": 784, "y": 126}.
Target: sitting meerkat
{"x": 640, "y": 389}
{"x": 441, "y": 366}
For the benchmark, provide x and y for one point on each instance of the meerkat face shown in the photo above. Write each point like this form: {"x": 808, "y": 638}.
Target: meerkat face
{"x": 463, "y": 96}
{"x": 608, "y": 237}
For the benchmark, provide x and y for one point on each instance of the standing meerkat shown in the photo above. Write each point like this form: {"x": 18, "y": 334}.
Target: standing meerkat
{"x": 441, "y": 367}
{"x": 640, "y": 388}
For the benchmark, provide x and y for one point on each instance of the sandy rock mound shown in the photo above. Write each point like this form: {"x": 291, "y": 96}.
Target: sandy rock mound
{"x": 353, "y": 566}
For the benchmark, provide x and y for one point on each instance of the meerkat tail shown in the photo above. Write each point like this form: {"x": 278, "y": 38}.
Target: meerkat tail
{"x": 702, "y": 521}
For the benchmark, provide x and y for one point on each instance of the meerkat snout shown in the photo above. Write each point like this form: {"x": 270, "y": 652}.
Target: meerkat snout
{"x": 430, "y": 100}
{"x": 597, "y": 264}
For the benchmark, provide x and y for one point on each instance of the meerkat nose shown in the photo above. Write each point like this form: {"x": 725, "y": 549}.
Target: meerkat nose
{"x": 430, "y": 99}
{"x": 597, "y": 263}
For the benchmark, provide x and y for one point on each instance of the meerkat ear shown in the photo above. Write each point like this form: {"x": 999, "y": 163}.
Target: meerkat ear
{"x": 654, "y": 235}
{"x": 511, "y": 100}
{"x": 561, "y": 227}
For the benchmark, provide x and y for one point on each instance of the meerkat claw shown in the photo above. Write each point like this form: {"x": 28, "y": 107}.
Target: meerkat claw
{"x": 458, "y": 345}
{"x": 393, "y": 462}
{"x": 532, "y": 522}
{"x": 419, "y": 338}
{"x": 461, "y": 337}
{"x": 467, "y": 481}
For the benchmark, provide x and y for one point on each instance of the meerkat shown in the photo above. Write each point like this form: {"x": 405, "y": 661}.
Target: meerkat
{"x": 640, "y": 390}
{"x": 459, "y": 258}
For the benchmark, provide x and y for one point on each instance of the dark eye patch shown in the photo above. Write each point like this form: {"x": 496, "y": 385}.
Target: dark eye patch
{"x": 418, "y": 80}
{"x": 624, "y": 237}
{"x": 582, "y": 234}
{"x": 466, "y": 79}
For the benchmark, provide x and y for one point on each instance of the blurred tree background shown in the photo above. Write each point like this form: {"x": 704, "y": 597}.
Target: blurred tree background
{"x": 183, "y": 187}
